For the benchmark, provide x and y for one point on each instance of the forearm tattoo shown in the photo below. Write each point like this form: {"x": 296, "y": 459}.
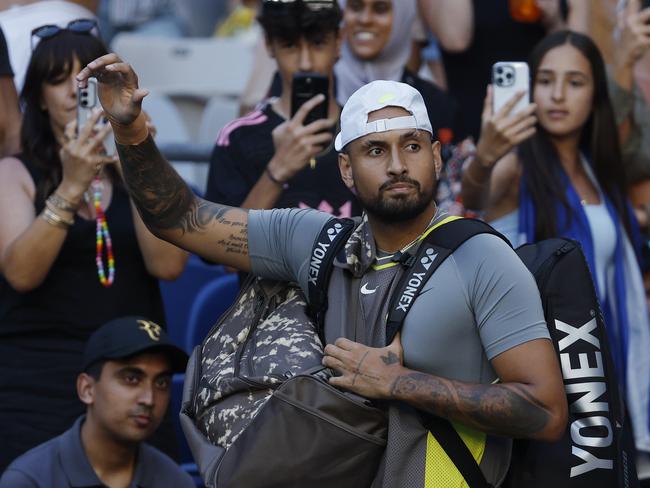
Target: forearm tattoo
{"x": 166, "y": 202}
{"x": 505, "y": 410}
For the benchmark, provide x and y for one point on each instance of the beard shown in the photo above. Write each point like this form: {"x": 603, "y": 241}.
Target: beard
{"x": 397, "y": 209}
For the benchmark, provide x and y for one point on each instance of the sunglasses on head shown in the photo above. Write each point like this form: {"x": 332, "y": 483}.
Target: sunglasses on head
{"x": 80, "y": 26}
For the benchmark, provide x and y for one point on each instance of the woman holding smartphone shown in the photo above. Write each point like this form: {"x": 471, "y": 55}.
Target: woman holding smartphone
{"x": 73, "y": 251}
{"x": 568, "y": 180}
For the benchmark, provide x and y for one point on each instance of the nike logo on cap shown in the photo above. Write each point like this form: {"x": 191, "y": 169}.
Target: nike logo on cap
{"x": 366, "y": 291}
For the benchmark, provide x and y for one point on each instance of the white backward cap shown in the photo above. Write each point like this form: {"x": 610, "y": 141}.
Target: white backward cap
{"x": 375, "y": 96}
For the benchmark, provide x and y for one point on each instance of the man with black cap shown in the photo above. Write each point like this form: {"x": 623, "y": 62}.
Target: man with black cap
{"x": 126, "y": 383}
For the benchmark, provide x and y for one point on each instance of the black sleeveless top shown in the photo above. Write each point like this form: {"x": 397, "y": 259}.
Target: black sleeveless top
{"x": 71, "y": 301}
{"x": 497, "y": 37}
{"x": 43, "y": 332}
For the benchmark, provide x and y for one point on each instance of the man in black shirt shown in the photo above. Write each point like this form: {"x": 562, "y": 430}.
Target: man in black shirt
{"x": 269, "y": 159}
{"x": 126, "y": 385}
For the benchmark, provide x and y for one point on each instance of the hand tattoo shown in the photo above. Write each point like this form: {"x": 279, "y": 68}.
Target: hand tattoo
{"x": 495, "y": 409}
{"x": 358, "y": 369}
{"x": 391, "y": 358}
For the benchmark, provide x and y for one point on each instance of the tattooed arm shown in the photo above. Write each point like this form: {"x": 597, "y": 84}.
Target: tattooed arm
{"x": 529, "y": 403}
{"x": 167, "y": 205}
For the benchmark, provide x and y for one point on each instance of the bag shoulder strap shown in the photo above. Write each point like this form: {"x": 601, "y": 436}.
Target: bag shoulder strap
{"x": 330, "y": 242}
{"x": 438, "y": 243}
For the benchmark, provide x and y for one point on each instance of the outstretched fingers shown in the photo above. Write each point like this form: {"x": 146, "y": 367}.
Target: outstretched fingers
{"x": 95, "y": 67}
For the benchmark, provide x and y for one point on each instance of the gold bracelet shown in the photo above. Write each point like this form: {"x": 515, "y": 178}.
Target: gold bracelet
{"x": 68, "y": 220}
{"x": 61, "y": 203}
{"x": 55, "y": 219}
{"x": 46, "y": 216}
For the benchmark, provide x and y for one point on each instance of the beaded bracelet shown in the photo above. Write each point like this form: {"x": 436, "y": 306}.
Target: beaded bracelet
{"x": 61, "y": 203}
{"x": 55, "y": 219}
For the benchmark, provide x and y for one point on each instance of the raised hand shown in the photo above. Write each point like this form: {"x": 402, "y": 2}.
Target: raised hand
{"x": 118, "y": 88}
{"x": 502, "y": 131}
{"x": 295, "y": 143}
{"x": 82, "y": 156}
{"x": 634, "y": 38}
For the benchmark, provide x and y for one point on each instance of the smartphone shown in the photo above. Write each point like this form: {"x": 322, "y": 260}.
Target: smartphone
{"x": 508, "y": 78}
{"x": 87, "y": 101}
{"x": 306, "y": 86}
{"x": 645, "y": 4}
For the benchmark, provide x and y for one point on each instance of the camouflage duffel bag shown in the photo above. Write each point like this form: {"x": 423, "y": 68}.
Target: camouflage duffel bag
{"x": 258, "y": 410}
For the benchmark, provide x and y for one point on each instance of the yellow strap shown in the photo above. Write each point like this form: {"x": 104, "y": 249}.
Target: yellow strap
{"x": 440, "y": 471}
{"x": 446, "y": 220}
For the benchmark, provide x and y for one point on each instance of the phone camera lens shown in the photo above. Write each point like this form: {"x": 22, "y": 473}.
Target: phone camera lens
{"x": 499, "y": 70}
{"x": 509, "y": 76}
{"x": 84, "y": 103}
{"x": 499, "y": 81}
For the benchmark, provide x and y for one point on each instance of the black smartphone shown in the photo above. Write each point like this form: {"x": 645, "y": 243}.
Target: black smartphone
{"x": 305, "y": 87}
{"x": 645, "y": 4}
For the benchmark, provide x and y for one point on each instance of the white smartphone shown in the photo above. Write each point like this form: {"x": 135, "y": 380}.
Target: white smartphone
{"x": 508, "y": 78}
{"x": 87, "y": 101}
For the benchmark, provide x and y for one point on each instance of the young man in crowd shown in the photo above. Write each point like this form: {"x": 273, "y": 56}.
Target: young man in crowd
{"x": 478, "y": 319}
{"x": 126, "y": 383}
{"x": 270, "y": 158}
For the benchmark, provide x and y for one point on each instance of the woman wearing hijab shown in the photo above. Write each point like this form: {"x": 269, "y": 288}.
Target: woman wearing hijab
{"x": 377, "y": 47}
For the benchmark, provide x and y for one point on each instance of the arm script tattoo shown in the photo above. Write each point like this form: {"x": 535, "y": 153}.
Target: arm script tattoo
{"x": 506, "y": 410}
{"x": 166, "y": 202}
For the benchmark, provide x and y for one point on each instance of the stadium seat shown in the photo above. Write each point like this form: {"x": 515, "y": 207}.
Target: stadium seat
{"x": 217, "y": 113}
{"x": 179, "y": 295}
{"x": 188, "y": 67}
{"x": 210, "y": 303}
{"x": 186, "y": 460}
{"x": 167, "y": 119}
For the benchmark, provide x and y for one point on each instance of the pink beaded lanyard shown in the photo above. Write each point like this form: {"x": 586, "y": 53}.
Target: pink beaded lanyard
{"x": 103, "y": 237}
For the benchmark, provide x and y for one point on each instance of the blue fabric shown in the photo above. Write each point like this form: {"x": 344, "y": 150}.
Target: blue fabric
{"x": 576, "y": 226}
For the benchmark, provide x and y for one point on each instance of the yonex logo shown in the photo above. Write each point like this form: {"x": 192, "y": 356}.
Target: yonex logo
{"x": 320, "y": 251}
{"x": 428, "y": 259}
{"x": 333, "y": 232}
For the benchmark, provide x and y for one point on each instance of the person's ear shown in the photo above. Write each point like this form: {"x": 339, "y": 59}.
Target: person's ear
{"x": 86, "y": 388}
{"x": 346, "y": 170}
{"x": 437, "y": 158}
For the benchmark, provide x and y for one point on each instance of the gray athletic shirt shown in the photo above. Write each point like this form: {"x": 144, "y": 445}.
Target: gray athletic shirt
{"x": 480, "y": 302}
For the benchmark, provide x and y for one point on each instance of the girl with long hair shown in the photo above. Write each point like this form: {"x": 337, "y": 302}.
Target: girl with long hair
{"x": 74, "y": 253}
{"x": 567, "y": 179}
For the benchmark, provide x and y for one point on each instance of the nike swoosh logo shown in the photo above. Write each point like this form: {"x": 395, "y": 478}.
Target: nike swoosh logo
{"x": 366, "y": 291}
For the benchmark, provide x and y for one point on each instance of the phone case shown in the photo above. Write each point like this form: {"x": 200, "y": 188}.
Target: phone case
{"x": 306, "y": 86}
{"x": 87, "y": 101}
{"x": 508, "y": 78}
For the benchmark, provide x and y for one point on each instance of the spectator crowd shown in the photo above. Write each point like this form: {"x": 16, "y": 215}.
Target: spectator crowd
{"x": 86, "y": 351}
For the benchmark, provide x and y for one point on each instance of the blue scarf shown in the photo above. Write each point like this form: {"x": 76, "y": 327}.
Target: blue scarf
{"x": 616, "y": 305}
{"x": 576, "y": 226}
